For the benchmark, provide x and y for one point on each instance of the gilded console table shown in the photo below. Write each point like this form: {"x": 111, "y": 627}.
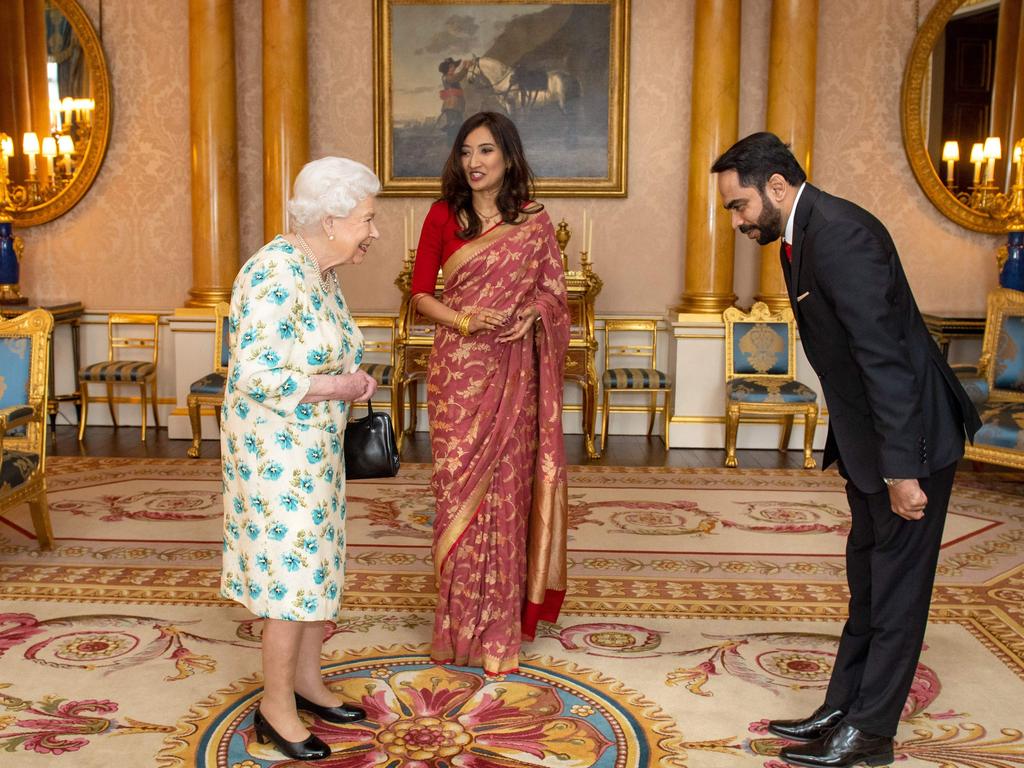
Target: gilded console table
{"x": 414, "y": 339}
{"x": 946, "y": 326}
{"x": 69, "y": 314}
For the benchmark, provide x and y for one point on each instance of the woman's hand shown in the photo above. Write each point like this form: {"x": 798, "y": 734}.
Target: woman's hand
{"x": 355, "y": 387}
{"x": 524, "y": 322}
{"x": 487, "y": 320}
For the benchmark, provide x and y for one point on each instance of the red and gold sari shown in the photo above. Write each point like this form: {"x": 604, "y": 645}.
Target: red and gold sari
{"x": 499, "y": 461}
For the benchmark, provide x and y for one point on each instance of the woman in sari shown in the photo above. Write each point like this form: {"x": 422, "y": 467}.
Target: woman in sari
{"x": 494, "y": 396}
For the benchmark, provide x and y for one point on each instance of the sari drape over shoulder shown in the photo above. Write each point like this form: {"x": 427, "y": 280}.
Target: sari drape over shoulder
{"x": 499, "y": 460}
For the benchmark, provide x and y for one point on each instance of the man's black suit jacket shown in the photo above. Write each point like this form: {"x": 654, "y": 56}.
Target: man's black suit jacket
{"x": 895, "y": 407}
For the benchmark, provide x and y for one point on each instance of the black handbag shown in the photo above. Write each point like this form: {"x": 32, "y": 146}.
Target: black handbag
{"x": 370, "y": 447}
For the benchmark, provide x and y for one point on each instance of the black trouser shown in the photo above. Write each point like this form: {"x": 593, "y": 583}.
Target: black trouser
{"x": 890, "y": 568}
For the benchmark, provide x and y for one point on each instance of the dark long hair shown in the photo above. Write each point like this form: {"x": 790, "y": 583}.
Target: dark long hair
{"x": 515, "y": 197}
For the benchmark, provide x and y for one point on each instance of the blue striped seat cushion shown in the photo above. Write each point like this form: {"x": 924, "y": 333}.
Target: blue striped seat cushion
{"x": 118, "y": 370}
{"x": 381, "y": 372}
{"x": 16, "y": 467}
{"x": 210, "y": 384}
{"x": 634, "y": 378}
{"x": 753, "y": 390}
{"x": 1002, "y": 426}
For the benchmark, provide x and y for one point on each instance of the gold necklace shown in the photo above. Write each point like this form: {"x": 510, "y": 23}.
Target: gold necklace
{"x": 311, "y": 260}
{"x": 488, "y": 219}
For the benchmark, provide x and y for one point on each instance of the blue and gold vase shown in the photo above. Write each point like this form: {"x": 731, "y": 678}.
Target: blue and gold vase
{"x": 10, "y": 257}
{"x": 1012, "y": 273}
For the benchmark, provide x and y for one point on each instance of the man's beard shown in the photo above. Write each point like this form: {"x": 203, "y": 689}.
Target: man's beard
{"x": 769, "y": 223}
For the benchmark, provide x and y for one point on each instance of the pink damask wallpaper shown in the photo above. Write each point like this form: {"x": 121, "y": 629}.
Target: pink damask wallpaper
{"x": 126, "y": 245}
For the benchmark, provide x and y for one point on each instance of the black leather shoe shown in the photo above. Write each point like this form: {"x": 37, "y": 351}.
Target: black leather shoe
{"x": 346, "y": 713}
{"x": 843, "y": 747}
{"x": 821, "y": 721}
{"x": 312, "y": 748}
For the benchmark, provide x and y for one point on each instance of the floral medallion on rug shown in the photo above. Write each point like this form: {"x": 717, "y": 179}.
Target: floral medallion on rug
{"x": 701, "y": 604}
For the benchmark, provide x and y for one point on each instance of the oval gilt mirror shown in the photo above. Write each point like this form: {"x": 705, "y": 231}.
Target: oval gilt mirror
{"x": 960, "y": 91}
{"x": 55, "y": 125}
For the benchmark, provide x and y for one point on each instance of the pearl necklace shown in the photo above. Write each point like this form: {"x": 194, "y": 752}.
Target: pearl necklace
{"x": 311, "y": 260}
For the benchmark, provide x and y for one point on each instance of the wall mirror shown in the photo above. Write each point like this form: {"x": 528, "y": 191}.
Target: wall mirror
{"x": 963, "y": 108}
{"x": 55, "y": 110}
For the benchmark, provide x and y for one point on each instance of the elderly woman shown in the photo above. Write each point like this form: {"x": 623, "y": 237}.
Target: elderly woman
{"x": 294, "y": 372}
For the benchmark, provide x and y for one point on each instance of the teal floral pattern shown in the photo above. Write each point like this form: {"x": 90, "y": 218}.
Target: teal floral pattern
{"x": 282, "y": 460}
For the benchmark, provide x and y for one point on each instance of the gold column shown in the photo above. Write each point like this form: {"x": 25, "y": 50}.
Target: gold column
{"x": 285, "y": 107}
{"x": 35, "y": 70}
{"x": 714, "y": 122}
{"x": 1005, "y": 80}
{"x": 211, "y": 60}
{"x": 792, "y": 62}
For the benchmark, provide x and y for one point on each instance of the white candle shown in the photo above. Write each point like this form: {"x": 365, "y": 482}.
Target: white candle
{"x": 590, "y": 239}
{"x": 583, "y": 232}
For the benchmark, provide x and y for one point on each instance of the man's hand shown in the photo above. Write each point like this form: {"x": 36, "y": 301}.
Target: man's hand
{"x": 907, "y": 499}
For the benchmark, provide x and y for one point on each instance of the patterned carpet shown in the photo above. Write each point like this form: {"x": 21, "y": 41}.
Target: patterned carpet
{"x": 702, "y": 602}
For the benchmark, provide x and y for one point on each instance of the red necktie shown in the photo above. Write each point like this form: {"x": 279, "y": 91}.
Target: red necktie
{"x": 788, "y": 250}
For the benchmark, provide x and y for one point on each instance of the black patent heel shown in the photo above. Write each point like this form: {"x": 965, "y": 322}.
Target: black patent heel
{"x": 312, "y": 748}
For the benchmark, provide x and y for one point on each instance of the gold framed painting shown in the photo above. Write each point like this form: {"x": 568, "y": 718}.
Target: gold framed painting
{"x": 558, "y": 68}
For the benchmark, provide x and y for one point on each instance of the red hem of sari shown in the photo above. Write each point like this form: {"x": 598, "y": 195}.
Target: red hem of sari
{"x": 546, "y": 611}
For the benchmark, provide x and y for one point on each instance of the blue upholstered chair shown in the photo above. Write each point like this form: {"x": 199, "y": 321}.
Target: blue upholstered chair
{"x": 24, "y": 365}
{"x": 634, "y": 340}
{"x": 760, "y": 377}
{"x": 209, "y": 390}
{"x": 115, "y": 371}
{"x": 998, "y": 389}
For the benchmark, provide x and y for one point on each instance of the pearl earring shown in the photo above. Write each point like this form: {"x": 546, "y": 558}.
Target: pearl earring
{"x": 330, "y": 237}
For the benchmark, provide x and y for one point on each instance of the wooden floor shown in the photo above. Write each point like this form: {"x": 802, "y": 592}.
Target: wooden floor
{"x": 623, "y": 450}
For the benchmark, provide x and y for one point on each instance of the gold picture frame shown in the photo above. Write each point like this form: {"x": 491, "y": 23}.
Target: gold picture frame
{"x": 559, "y": 68}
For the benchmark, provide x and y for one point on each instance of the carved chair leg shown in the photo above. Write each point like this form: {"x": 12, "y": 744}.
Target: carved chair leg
{"x": 414, "y": 394}
{"x": 152, "y": 399}
{"x": 195, "y": 418}
{"x": 732, "y": 426}
{"x": 84, "y": 389}
{"x": 668, "y": 397}
{"x": 810, "y": 424}
{"x": 787, "y": 431}
{"x": 652, "y": 410}
{"x": 40, "y": 511}
{"x": 217, "y": 407}
{"x": 142, "y": 396}
{"x": 605, "y": 407}
{"x": 110, "y": 404}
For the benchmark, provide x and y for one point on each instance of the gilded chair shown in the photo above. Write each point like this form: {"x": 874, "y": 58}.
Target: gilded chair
{"x": 24, "y": 363}
{"x": 998, "y": 388}
{"x": 760, "y": 377}
{"x": 209, "y": 390}
{"x": 634, "y": 340}
{"x": 119, "y": 372}
{"x": 381, "y": 354}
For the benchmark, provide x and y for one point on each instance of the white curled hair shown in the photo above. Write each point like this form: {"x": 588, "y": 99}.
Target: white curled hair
{"x": 330, "y": 186}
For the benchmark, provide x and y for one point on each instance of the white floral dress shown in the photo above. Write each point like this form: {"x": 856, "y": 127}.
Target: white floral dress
{"x": 283, "y": 464}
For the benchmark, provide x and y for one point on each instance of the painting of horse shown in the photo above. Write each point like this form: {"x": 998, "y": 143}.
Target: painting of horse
{"x": 556, "y": 68}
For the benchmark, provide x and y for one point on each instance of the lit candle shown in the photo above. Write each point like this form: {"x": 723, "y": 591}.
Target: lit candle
{"x": 65, "y": 145}
{"x": 1019, "y": 162}
{"x": 30, "y": 146}
{"x": 49, "y": 152}
{"x": 7, "y": 150}
{"x": 950, "y": 153}
{"x": 88, "y": 105}
{"x": 67, "y": 104}
{"x": 977, "y": 156}
{"x": 993, "y": 152}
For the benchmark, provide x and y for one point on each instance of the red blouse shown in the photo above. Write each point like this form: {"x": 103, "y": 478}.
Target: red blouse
{"x": 438, "y": 241}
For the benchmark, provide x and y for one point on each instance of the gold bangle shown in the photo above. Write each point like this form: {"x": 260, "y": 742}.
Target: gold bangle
{"x": 464, "y": 322}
